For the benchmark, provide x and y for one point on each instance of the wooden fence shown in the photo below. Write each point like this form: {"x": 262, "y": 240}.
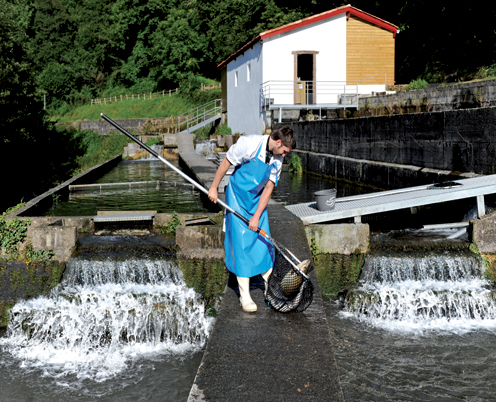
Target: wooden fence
{"x": 145, "y": 96}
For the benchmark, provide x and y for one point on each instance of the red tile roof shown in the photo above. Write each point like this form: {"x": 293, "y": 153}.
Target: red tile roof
{"x": 310, "y": 20}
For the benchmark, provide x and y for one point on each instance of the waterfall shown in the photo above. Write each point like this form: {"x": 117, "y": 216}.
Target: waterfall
{"x": 445, "y": 292}
{"x": 105, "y": 314}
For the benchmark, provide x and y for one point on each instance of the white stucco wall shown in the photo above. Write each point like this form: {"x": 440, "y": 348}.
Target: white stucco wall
{"x": 328, "y": 37}
{"x": 244, "y": 113}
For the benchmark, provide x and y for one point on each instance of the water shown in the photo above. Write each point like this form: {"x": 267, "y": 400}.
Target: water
{"x": 417, "y": 328}
{"x": 116, "y": 328}
{"x": 206, "y": 148}
{"x": 298, "y": 188}
{"x": 161, "y": 197}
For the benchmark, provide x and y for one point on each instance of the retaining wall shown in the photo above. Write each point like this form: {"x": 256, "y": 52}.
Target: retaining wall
{"x": 414, "y": 147}
{"x": 441, "y": 98}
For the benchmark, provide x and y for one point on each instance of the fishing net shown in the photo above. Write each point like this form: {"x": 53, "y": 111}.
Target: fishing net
{"x": 288, "y": 291}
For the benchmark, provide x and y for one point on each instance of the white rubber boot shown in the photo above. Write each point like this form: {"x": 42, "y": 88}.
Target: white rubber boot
{"x": 265, "y": 277}
{"x": 245, "y": 299}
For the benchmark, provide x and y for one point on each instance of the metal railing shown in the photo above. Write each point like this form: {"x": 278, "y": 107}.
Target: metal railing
{"x": 308, "y": 93}
{"x": 199, "y": 114}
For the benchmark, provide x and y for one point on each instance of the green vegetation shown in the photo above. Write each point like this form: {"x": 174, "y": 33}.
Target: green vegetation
{"x": 173, "y": 224}
{"x": 13, "y": 246}
{"x": 419, "y": 83}
{"x": 97, "y": 148}
{"x": 12, "y": 232}
{"x": 295, "y": 165}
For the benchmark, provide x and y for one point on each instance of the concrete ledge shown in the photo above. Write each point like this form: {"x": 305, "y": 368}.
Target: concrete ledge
{"x": 383, "y": 175}
{"x": 484, "y": 233}
{"x": 339, "y": 238}
{"x": 37, "y": 205}
{"x": 200, "y": 242}
{"x": 56, "y": 237}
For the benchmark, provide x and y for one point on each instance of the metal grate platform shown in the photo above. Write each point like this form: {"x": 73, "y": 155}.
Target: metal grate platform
{"x": 357, "y": 206}
{"x": 124, "y": 217}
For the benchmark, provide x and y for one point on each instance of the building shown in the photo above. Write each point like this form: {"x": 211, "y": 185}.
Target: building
{"x": 321, "y": 62}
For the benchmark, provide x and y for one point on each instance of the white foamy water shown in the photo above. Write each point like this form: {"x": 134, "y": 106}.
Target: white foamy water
{"x": 424, "y": 293}
{"x": 106, "y": 315}
{"x": 206, "y": 148}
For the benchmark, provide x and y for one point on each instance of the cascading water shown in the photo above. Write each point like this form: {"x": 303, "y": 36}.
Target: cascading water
{"x": 109, "y": 317}
{"x": 206, "y": 148}
{"x": 155, "y": 147}
{"x": 417, "y": 328}
{"x": 429, "y": 292}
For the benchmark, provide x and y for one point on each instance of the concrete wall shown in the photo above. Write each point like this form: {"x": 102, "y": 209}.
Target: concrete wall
{"x": 243, "y": 99}
{"x": 38, "y": 205}
{"x": 483, "y": 233}
{"x": 102, "y": 127}
{"x": 164, "y": 125}
{"x": 455, "y": 141}
{"x": 450, "y": 97}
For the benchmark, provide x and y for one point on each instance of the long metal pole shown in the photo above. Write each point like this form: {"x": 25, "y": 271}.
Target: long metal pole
{"x": 204, "y": 190}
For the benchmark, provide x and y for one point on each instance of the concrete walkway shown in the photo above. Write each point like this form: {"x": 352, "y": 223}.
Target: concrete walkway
{"x": 269, "y": 356}
{"x": 265, "y": 356}
{"x": 203, "y": 169}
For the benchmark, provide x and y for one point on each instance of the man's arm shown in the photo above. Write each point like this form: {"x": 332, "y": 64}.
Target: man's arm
{"x": 262, "y": 204}
{"x": 213, "y": 192}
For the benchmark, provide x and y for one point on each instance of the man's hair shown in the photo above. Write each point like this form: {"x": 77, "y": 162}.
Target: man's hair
{"x": 286, "y": 135}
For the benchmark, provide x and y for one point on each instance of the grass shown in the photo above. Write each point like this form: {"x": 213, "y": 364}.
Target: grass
{"x": 130, "y": 109}
{"x": 174, "y": 105}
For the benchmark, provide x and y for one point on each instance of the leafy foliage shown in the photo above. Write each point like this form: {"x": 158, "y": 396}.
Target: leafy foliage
{"x": 419, "y": 83}
{"x": 12, "y": 232}
{"x": 295, "y": 165}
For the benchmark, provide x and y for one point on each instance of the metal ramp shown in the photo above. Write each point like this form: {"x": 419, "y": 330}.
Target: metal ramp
{"x": 200, "y": 116}
{"x": 357, "y": 206}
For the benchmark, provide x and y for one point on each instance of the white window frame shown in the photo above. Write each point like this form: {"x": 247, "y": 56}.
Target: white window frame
{"x": 248, "y": 72}
{"x": 236, "y": 78}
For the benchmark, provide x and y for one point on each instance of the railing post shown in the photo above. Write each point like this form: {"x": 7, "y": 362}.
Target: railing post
{"x": 345, "y": 99}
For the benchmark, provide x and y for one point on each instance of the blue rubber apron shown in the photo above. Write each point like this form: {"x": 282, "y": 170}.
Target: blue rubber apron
{"x": 248, "y": 253}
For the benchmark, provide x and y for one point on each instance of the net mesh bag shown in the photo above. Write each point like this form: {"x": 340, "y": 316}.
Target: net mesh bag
{"x": 288, "y": 291}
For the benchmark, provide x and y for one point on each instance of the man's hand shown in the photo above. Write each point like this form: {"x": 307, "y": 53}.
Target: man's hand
{"x": 213, "y": 194}
{"x": 253, "y": 223}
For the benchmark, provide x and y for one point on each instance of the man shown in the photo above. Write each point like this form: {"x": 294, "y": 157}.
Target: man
{"x": 258, "y": 162}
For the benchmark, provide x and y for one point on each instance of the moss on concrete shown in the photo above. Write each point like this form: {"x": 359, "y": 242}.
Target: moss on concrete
{"x": 208, "y": 278}
{"x": 21, "y": 280}
{"x": 4, "y": 313}
{"x": 335, "y": 272}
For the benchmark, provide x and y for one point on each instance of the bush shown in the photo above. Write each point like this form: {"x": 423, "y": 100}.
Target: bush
{"x": 417, "y": 84}
{"x": 295, "y": 165}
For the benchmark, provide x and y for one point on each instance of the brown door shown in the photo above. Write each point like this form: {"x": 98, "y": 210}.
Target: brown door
{"x": 305, "y": 77}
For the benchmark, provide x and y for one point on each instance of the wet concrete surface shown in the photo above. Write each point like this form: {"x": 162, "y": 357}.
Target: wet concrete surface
{"x": 270, "y": 356}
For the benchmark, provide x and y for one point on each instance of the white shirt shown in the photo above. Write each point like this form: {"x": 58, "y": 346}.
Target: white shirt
{"x": 246, "y": 148}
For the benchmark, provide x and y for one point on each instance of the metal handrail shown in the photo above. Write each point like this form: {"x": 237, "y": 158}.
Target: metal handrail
{"x": 270, "y": 89}
{"x": 200, "y": 113}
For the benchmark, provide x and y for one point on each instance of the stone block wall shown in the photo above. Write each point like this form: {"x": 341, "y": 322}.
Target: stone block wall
{"x": 441, "y": 98}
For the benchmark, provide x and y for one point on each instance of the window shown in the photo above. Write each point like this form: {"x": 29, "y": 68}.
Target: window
{"x": 236, "y": 78}
{"x": 248, "y": 72}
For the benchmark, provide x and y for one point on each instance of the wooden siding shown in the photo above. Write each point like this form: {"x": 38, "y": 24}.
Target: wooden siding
{"x": 369, "y": 51}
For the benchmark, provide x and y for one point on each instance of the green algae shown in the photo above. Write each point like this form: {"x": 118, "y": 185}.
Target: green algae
{"x": 208, "y": 278}
{"x": 336, "y": 272}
